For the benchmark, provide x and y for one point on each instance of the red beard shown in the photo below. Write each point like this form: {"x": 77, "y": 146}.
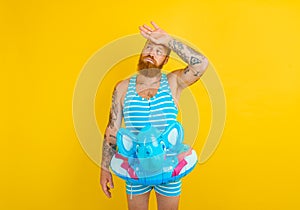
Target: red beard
{"x": 148, "y": 65}
{"x": 147, "y": 68}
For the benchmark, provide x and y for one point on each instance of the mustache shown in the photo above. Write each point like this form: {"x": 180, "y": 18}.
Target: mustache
{"x": 149, "y": 56}
{"x": 147, "y": 65}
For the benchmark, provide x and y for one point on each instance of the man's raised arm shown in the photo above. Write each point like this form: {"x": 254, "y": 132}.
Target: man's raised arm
{"x": 197, "y": 63}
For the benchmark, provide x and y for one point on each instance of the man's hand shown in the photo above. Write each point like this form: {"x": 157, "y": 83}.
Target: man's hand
{"x": 156, "y": 35}
{"x": 105, "y": 180}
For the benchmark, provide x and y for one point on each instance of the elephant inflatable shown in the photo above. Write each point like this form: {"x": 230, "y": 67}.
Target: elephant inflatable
{"x": 152, "y": 157}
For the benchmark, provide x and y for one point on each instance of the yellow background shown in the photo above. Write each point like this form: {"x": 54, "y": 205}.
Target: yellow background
{"x": 254, "y": 46}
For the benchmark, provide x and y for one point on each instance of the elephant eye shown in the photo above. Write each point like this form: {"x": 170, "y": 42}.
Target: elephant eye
{"x": 148, "y": 150}
{"x": 163, "y": 146}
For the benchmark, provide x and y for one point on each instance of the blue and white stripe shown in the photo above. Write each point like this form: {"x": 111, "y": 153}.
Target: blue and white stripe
{"x": 159, "y": 111}
{"x": 168, "y": 189}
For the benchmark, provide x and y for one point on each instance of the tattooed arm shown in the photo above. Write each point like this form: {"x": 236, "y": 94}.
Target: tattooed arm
{"x": 197, "y": 63}
{"x": 114, "y": 123}
{"x": 109, "y": 142}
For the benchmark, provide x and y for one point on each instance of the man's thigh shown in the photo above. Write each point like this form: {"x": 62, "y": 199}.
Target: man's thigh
{"x": 167, "y": 202}
{"x": 138, "y": 202}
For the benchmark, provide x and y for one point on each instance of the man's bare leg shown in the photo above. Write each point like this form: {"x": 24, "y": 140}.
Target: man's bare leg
{"x": 166, "y": 202}
{"x": 138, "y": 202}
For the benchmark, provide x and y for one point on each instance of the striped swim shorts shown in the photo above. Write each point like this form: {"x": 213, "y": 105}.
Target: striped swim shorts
{"x": 168, "y": 189}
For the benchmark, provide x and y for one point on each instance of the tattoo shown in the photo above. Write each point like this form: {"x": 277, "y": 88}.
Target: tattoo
{"x": 194, "y": 60}
{"x": 108, "y": 150}
{"x": 186, "y": 53}
{"x": 186, "y": 70}
{"x": 177, "y": 47}
{"x": 197, "y": 74}
{"x": 113, "y": 110}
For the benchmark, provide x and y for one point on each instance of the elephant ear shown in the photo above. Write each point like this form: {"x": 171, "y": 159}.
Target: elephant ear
{"x": 126, "y": 142}
{"x": 173, "y": 135}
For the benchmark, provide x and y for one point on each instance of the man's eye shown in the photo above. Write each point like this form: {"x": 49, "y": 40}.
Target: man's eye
{"x": 159, "y": 52}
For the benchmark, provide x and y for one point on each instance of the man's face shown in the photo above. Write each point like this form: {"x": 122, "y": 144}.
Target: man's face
{"x": 153, "y": 56}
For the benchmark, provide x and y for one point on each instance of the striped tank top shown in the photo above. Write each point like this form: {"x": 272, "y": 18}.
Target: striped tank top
{"x": 158, "y": 111}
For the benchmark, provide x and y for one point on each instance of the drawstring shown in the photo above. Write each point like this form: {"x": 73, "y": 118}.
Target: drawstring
{"x": 130, "y": 191}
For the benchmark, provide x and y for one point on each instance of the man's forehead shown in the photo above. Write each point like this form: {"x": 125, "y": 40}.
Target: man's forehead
{"x": 153, "y": 44}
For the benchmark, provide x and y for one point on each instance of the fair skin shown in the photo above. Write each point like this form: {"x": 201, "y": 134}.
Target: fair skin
{"x": 155, "y": 52}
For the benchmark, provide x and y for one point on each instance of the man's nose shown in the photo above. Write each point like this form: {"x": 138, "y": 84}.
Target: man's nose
{"x": 151, "y": 53}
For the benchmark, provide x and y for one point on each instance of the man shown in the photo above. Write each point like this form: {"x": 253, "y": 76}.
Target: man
{"x": 147, "y": 86}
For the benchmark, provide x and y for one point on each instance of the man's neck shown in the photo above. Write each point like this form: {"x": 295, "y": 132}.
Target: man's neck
{"x": 146, "y": 80}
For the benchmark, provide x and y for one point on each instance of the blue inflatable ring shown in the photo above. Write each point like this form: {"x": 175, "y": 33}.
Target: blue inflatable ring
{"x": 152, "y": 157}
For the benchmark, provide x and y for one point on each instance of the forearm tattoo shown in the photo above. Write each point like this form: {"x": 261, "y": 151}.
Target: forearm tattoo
{"x": 114, "y": 110}
{"x": 187, "y": 54}
{"x": 178, "y": 48}
{"x": 195, "y": 73}
{"x": 108, "y": 150}
{"x": 186, "y": 70}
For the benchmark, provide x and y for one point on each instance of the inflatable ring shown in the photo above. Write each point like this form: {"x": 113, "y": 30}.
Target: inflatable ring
{"x": 153, "y": 157}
